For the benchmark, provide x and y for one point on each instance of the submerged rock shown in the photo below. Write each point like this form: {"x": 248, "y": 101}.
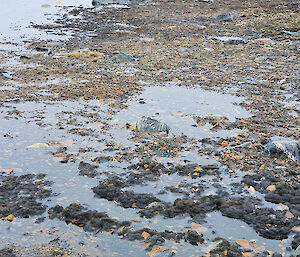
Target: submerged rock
{"x": 232, "y": 249}
{"x": 280, "y": 145}
{"x": 149, "y": 125}
{"x": 86, "y": 169}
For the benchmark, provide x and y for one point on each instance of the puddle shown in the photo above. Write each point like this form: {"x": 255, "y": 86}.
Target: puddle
{"x": 16, "y": 23}
{"x": 69, "y": 187}
{"x": 175, "y": 106}
{"x": 233, "y": 230}
{"x": 41, "y": 119}
{"x": 16, "y": 16}
{"x": 27, "y": 233}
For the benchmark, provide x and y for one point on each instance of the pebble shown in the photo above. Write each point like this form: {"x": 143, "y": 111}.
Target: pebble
{"x": 225, "y": 17}
{"x": 230, "y": 40}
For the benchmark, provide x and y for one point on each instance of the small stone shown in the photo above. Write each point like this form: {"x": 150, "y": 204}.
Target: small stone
{"x": 38, "y": 145}
{"x": 271, "y": 187}
{"x": 24, "y": 57}
{"x": 225, "y": 17}
{"x": 289, "y": 215}
{"x": 41, "y": 49}
{"x": 230, "y": 40}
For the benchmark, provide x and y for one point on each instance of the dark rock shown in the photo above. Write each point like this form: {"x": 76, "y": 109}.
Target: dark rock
{"x": 96, "y": 3}
{"x": 20, "y": 195}
{"x": 39, "y": 220}
{"x": 149, "y": 167}
{"x": 86, "y": 169}
{"x": 99, "y": 221}
{"x": 196, "y": 209}
{"x": 89, "y": 220}
{"x": 296, "y": 241}
{"x": 24, "y": 57}
{"x": 239, "y": 207}
{"x": 111, "y": 191}
{"x": 193, "y": 237}
{"x": 232, "y": 249}
{"x": 41, "y": 49}
{"x": 267, "y": 222}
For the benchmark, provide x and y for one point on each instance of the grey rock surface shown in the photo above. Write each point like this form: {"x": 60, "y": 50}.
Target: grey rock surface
{"x": 279, "y": 145}
{"x": 149, "y": 125}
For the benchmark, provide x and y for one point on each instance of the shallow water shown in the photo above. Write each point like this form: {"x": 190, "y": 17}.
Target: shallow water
{"x": 175, "y": 106}
{"x": 16, "y": 16}
{"x": 237, "y": 229}
{"x": 72, "y": 188}
{"x": 171, "y": 104}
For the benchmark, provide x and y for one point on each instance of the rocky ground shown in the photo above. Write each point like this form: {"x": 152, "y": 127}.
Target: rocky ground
{"x": 243, "y": 48}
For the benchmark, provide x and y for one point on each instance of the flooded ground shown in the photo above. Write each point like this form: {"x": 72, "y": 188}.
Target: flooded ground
{"x": 77, "y": 180}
